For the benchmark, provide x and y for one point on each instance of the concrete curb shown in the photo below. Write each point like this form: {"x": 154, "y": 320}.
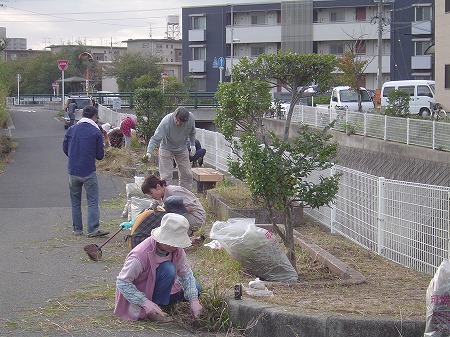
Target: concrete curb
{"x": 258, "y": 319}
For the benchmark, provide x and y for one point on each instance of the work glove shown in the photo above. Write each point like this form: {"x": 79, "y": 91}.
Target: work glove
{"x": 192, "y": 151}
{"x": 152, "y": 308}
{"x": 146, "y": 157}
{"x": 127, "y": 224}
{"x": 196, "y": 307}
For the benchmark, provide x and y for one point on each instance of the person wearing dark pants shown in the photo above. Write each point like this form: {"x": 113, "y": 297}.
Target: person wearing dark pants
{"x": 83, "y": 145}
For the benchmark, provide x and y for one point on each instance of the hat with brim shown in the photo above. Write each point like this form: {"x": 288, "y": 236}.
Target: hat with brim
{"x": 89, "y": 111}
{"x": 174, "y": 204}
{"x": 173, "y": 231}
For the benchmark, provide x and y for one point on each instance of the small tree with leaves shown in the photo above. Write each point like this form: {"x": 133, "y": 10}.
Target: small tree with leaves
{"x": 398, "y": 103}
{"x": 353, "y": 68}
{"x": 151, "y": 106}
{"x": 276, "y": 169}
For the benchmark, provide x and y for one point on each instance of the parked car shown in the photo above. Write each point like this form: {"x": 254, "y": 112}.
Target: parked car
{"x": 421, "y": 94}
{"x": 81, "y": 101}
{"x": 343, "y": 97}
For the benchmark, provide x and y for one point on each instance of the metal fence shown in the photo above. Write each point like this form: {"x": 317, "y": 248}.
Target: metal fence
{"x": 405, "y": 222}
{"x": 413, "y": 131}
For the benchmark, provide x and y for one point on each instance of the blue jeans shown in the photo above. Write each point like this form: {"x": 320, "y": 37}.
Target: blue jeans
{"x": 90, "y": 184}
{"x": 165, "y": 278}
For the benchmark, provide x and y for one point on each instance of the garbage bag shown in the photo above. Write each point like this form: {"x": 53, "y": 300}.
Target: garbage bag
{"x": 438, "y": 303}
{"x": 257, "y": 249}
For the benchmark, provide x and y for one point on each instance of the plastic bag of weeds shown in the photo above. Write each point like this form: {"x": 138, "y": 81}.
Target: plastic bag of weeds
{"x": 257, "y": 249}
{"x": 438, "y": 303}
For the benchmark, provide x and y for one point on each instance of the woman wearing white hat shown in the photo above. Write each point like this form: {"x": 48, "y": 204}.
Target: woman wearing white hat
{"x": 157, "y": 273}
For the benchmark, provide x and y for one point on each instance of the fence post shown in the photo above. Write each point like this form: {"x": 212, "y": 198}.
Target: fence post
{"x": 333, "y": 205}
{"x": 407, "y": 130}
{"x": 434, "y": 136}
{"x": 381, "y": 215}
{"x": 365, "y": 124}
{"x": 385, "y": 127}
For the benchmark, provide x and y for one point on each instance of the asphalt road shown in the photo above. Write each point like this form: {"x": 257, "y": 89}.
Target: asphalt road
{"x": 40, "y": 260}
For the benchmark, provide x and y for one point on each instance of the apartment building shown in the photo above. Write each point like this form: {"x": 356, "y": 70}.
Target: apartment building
{"x": 169, "y": 50}
{"x": 320, "y": 26}
{"x": 442, "y": 59}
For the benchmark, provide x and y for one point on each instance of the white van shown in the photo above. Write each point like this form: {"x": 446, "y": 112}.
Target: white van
{"x": 422, "y": 94}
{"x": 343, "y": 97}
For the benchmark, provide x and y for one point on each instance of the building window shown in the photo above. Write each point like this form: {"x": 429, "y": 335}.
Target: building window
{"x": 255, "y": 51}
{"x": 447, "y": 6}
{"x": 360, "y": 14}
{"x": 198, "y": 22}
{"x": 199, "y": 53}
{"x": 337, "y": 16}
{"x": 360, "y": 47}
{"x": 421, "y": 47}
{"x": 447, "y": 76}
{"x": 337, "y": 48}
{"x": 200, "y": 84}
{"x": 423, "y": 13}
{"x": 259, "y": 19}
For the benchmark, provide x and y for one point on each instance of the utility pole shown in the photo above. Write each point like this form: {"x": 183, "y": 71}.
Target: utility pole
{"x": 380, "y": 44}
{"x": 380, "y": 40}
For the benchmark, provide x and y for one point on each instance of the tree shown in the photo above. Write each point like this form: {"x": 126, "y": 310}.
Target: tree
{"x": 151, "y": 106}
{"x": 293, "y": 72}
{"x": 353, "y": 68}
{"x": 130, "y": 67}
{"x": 398, "y": 103}
{"x": 277, "y": 169}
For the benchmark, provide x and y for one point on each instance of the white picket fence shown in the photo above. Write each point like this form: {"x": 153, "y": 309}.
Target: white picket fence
{"x": 405, "y": 222}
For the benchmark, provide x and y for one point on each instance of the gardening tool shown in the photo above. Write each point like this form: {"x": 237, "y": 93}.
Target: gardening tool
{"x": 95, "y": 252}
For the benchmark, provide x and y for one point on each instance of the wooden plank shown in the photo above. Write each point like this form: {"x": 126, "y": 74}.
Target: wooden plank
{"x": 206, "y": 174}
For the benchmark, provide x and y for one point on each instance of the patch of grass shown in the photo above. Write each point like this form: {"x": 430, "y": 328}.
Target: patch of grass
{"x": 236, "y": 195}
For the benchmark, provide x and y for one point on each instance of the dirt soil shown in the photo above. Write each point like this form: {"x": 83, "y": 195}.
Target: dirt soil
{"x": 391, "y": 291}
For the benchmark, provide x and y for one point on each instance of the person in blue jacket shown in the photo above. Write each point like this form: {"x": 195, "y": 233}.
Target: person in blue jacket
{"x": 83, "y": 144}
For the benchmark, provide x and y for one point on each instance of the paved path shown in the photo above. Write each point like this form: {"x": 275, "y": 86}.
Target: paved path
{"x": 41, "y": 260}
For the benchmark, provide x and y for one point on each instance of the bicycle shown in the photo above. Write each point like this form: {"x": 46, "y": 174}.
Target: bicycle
{"x": 437, "y": 111}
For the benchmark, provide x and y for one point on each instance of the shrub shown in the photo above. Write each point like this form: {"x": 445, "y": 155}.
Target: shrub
{"x": 398, "y": 103}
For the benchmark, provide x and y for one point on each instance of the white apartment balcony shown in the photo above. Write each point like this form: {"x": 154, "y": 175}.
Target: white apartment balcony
{"x": 372, "y": 66}
{"x": 197, "y": 35}
{"x": 346, "y": 31}
{"x": 197, "y": 66}
{"x": 421, "y": 27}
{"x": 254, "y": 34}
{"x": 421, "y": 62}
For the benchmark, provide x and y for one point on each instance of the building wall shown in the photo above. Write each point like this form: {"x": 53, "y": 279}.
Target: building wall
{"x": 333, "y": 27}
{"x": 442, "y": 55}
{"x": 406, "y": 31}
{"x": 169, "y": 50}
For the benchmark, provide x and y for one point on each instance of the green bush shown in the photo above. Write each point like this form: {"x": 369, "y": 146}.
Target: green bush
{"x": 398, "y": 103}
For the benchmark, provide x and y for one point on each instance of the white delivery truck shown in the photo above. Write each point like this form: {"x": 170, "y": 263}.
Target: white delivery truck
{"x": 421, "y": 94}
{"x": 343, "y": 98}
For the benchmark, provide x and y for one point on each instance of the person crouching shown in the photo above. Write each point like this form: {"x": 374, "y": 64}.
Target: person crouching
{"x": 157, "y": 273}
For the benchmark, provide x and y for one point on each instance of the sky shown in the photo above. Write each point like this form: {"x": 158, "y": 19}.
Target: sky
{"x": 93, "y": 22}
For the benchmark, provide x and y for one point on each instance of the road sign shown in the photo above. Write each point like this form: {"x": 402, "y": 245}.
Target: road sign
{"x": 62, "y": 64}
{"x": 164, "y": 75}
{"x": 215, "y": 63}
{"x": 54, "y": 85}
{"x": 221, "y": 62}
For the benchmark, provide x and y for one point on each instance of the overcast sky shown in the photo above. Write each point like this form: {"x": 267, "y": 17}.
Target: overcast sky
{"x": 94, "y": 22}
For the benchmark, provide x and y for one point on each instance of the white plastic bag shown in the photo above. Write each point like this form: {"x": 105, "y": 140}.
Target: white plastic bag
{"x": 255, "y": 248}
{"x": 438, "y": 303}
{"x": 138, "y": 205}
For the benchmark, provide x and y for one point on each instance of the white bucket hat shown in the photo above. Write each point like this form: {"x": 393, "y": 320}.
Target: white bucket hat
{"x": 173, "y": 231}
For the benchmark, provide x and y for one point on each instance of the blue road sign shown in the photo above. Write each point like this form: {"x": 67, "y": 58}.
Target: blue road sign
{"x": 221, "y": 62}
{"x": 215, "y": 63}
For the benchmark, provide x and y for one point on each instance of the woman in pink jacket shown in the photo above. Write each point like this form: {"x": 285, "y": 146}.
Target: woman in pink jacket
{"x": 157, "y": 273}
